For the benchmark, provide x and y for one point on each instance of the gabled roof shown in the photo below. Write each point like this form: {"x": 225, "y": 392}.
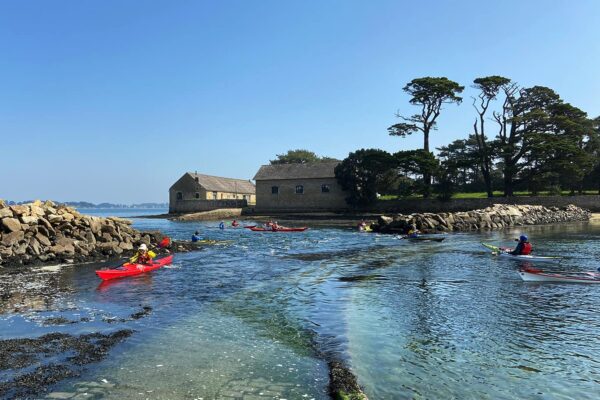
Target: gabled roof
{"x": 324, "y": 169}
{"x": 228, "y": 185}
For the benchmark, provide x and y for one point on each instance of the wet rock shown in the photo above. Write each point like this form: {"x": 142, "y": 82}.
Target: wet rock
{"x": 343, "y": 384}
{"x": 67, "y": 352}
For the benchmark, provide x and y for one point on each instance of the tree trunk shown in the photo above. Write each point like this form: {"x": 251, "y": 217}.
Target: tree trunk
{"x": 488, "y": 182}
{"x": 508, "y": 178}
{"x": 427, "y": 175}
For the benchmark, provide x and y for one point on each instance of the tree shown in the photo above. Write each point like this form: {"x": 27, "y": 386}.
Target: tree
{"x": 488, "y": 87}
{"x": 523, "y": 113}
{"x": 459, "y": 160}
{"x": 362, "y": 172}
{"x": 430, "y": 94}
{"x": 416, "y": 165}
{"x": 299, "y": 157}
{"x": 560, "y": 141}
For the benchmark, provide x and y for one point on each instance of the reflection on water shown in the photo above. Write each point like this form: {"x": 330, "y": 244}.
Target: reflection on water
{"x": 260, "y": 316}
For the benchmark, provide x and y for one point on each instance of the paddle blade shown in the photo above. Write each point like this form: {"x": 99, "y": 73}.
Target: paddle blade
{"x": 166, "y": 242}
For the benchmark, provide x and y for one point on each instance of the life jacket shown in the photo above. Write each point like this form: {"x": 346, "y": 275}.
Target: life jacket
{"x": 526, "y": 248}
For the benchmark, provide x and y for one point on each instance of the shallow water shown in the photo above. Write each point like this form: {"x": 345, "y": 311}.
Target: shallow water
{"x": 259, "y": 317}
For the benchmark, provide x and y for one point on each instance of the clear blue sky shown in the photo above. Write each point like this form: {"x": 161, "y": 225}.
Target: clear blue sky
{"x": 115, "y": 100}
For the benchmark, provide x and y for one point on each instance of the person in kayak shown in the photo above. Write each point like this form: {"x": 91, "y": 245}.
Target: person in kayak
{"x": 413, "y": 232}
{"x": 275, "y": 226}
{"x": 523, "y": 247}
{"x": 222, "y": 225}
{"x": 196, "y": 237}
{"x": 143, "y": 256}
{"x": 235, "y": 224}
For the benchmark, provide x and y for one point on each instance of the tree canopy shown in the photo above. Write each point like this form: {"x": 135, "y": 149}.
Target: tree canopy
{"x": 299, "y": 156}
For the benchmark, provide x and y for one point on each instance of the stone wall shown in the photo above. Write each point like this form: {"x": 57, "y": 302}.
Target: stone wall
{"x": 40, "y": 233}
{"x": 287, "y": 200}
{"x": 193, "y": 206}
{"x": 498, "y": 216}
{"x": 589, "y": 202}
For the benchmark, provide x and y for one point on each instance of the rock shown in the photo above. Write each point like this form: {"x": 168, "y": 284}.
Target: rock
{"x": 19, "y": 210}
{"x": 5, "y": 212}
{"x": 37, "y": 210}
{"x": 59, "y": 249}
{"x": 12, "y": 238}
{"x": 11, "y": 224}
{"x": 43, "y": 239}
{"x": 53, "y": 218}
{"x": 29, "y": 219}
{"x": 68, "y": 216}
{"x": 497, "y": 216}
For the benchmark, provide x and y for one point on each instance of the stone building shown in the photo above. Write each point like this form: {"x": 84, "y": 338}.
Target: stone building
{"x": 195, "y": 192}
{"x": 299, "y": 188}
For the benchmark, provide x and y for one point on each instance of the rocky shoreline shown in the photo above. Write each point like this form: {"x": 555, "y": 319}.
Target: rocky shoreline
{"x": 498, "y": 216}
{"x": 42, "y": 233}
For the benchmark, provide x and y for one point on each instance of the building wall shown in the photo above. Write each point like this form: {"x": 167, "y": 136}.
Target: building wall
{"x": 188, "y": 188}
{"x": 191, "y": 206}
{"x": 311, "y": 200}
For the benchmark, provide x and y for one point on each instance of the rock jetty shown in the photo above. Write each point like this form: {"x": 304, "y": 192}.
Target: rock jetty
{"x": 45, "y": 232}
{"x": 498, "y": 216}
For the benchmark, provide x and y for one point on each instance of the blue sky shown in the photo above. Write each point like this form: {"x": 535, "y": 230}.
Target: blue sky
{"x": 115, "y": 100}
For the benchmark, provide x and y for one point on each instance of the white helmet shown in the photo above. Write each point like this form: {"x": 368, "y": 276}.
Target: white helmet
{"x": 143, "y": 247}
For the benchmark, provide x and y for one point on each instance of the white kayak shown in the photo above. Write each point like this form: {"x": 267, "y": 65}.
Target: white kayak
{"x": 502, "y": 252}
{"x": 535, "y": 275}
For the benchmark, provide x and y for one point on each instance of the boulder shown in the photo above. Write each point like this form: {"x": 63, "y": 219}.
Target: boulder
{"x": 43, "y": 239}
{"x": 5, "y": 212}
{"x": 11, "y": 224}
{"x": 37, "y": 210}
{"x": 19, "y": 210}
{"x": 12, "y": 238}
{"x": 61, "y": 250}
{"x": 29, "y": 219}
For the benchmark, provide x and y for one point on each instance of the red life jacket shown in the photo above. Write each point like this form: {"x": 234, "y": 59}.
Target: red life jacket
{"x": 526, "y": 248}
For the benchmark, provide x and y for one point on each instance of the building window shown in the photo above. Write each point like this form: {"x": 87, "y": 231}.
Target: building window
{"x": 214, "y": 195}
{"x": 197, "y": 195}
{"x": 179, "y": 196}
{"x": 299, "y": 189}
{"x": 274, "y": 189}
{"x": 324, "y": 188}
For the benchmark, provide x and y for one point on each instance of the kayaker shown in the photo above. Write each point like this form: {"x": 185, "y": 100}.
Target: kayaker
{"x": 235, "y": 223}
{"x": 275, "y": 226}
{"x": 196, "y": 236}
{"x": 143, "y": 256}
{"x": 362, "y": 225}
{"x": 222, "y": 225}
{"x": 413, "y": 232}
{"x": 523, "y": 247}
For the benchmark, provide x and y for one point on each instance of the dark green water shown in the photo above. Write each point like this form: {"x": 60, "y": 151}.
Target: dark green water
{"x": 258, "y": 318}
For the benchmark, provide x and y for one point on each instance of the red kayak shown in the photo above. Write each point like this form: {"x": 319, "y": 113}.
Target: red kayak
{"x": 256, "y": 229}
{"x": 129, "y": 269}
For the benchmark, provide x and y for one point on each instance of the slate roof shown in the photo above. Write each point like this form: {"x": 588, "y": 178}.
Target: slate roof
{"x": 227, "y": 185}
{"x": 315, "y": 170}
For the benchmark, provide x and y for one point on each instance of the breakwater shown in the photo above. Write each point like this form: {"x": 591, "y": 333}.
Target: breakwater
{"x": 45, "y": 232}
{"x": 497, "y": 216}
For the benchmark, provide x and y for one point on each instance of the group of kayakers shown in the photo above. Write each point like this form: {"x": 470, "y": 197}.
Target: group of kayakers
{"x": 523, "y": 246}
